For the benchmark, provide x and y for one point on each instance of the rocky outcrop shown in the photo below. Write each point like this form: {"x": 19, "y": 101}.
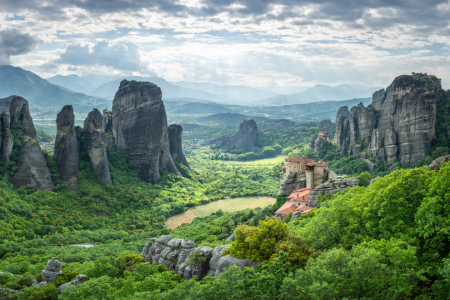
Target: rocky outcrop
{"x": 436, "y": 164}
{"x": 52, "y": 270}
{"x": 66, "y": 147}
{"x": 140, "y": 128}
{"x": 331, "y": 188}
{"x": 176, "y": 144}
{"x": 31, "y": 166}
{"x": 342, "y": 112}
{"x": 291, "y": 182}
{"x": 378, "y": 99}
{"x": 325, "y": 126}
{"x": 370, "y": 165}
{"x": 107, "y": 127}
{"x": 95, "y": 143}
{"x": 80, "y": 279}
{"x": 400, "y": 122}
{"x": 189, "y": 261}
{"x": 311, "y": 144}
{"x": 243, "y": 139}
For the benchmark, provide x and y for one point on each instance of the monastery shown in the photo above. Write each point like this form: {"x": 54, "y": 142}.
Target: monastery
{"x": 315, "y": 171}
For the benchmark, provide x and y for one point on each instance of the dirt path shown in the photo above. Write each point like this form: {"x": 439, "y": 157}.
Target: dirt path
{"x": 227, "y": 205}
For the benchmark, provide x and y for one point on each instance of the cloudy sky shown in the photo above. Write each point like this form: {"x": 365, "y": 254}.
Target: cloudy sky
{"x": 247, "y": 42}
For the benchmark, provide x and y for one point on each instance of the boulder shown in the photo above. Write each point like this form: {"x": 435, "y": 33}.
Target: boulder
{"x": 392, "y": 167}
{"x": 31, "y": 166}
{"x": 140, "y": 128}
{"x": 369, "y": 165}
{"x": 95, "y": 144}
{"x": 216, "y": 256}
{"x": 176, "y": 144}
{"x": 436, "y": 164}
{"x": 80, "y": 279}
{"x": 66, "y": 147}
{"x": 342, "y": 112}
{"x": 227, "y": 261}
{"x": 52, "y": 270}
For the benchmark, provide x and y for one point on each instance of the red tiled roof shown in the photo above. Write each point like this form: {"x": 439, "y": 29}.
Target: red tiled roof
{"x": 286, "y": 208}
{"x": 300, "y": 195}
{"x": 305, "y": 209}
{"x": 307, "y": 161}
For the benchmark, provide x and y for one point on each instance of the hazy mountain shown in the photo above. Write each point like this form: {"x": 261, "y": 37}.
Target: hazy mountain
{"x": 169, "y": 90}
{"x": 241, "y": 92}
{"x": 194, "y": 108}
{"x": 72, "y": 82}
{"x": 320, "y": 92}
{"x": 39, "y": 92}
{"x": 286, "y": 90}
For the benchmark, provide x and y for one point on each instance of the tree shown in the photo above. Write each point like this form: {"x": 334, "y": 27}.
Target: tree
{"x": 364, "y": 178}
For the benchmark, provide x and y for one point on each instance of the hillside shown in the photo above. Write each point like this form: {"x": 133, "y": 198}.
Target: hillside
{"x": 43, "y": 95}
{"x": 321, "y": 92}
{"x": 72, "y": 82}
{"x": 169, "y": 90}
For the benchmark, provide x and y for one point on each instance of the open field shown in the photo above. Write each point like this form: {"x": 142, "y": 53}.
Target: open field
{"x": 227, "y": 205}
{"x": 267, "y": 162}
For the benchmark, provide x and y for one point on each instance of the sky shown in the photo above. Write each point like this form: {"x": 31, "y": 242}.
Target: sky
{"x": 229, "y": 42}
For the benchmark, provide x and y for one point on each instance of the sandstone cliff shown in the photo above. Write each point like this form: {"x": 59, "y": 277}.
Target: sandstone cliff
{"x": 399, "y": 124}
{"x": 66, "y": 147}
{"x": 176, "y": 144}
{"x": 245, "y": 137}
{"x": 31, "y": 166}
{"x": 95, "y": 143}
{"x": 140, "y": 128}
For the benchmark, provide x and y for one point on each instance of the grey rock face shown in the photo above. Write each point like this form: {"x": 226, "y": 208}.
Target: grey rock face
{"x": 342, "y": 112}
{"x": 176, "y": 144}
{"x": 107, "y": 120}
{"x": 325, "y": 126}
{"x": 140, "y": 128}
{"x": 336, "y": 186}
{"x": 7, "y": 137}
{"x": 31, "y": 166}
{"x": 181, "y": 256}
{"x": 14, "y": 109}
{"x": 372, "y": 181}
{"x": 378, "y": 99}
{"x": 369, "y": 165}
{"x": 291, "y": 182}
{"x": 406, "y": 124}
{"x": 311, "y": 144}
{"x": 95, "y": 143}
{"x": 244, "y": 138}
{"x": 436, "y": 164}
{"x": 392, "y": 167}
{"x": 52, "y": 270}
{"x": 66, "y": 147}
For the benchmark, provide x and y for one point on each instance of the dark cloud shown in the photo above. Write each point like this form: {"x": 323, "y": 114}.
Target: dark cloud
{"x": 124, "y": 56}
{"x": 13, "y": 42}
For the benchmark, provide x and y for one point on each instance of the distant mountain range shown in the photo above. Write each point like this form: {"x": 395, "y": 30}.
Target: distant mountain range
{"x": 41, "y": 94}
{"x": 321, "y": 92}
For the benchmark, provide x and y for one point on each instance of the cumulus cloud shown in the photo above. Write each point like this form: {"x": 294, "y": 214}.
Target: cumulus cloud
{"x": 123, "y": 56}
{"x": 13, "y": 42}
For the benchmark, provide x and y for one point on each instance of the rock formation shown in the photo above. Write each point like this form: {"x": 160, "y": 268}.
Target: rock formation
{"x": 325, "y": 126}
{"x": 399, "y": 124}
{"x": 95, "y": 143}
{"x": 107, "y": 127}
{"x": 140, "y": 128}
{"x": 80, "y": 279}
{"x": 52, "y": 270}
{"x": 331, "y": 188}
{"x": 176, "y": 144}
{"x": 245, "y": 137}
{"x": 182, "y": 256}
{"x": 66, "y": 147}
{"x": 7, "y": 138}
{"x": 291, "y": 182}
{"x": 342, "y": 112}
{"x": 31, "y": 166}
{"x": 436, "y": 164}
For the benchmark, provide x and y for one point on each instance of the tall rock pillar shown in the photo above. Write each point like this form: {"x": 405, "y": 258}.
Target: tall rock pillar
{"x": 31, "y": 166}
{"x": 140, "y": 128}
{"x": 176, "y": 144}
{"x": 95, "y": 143}
{"x": 66, "y": 147}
